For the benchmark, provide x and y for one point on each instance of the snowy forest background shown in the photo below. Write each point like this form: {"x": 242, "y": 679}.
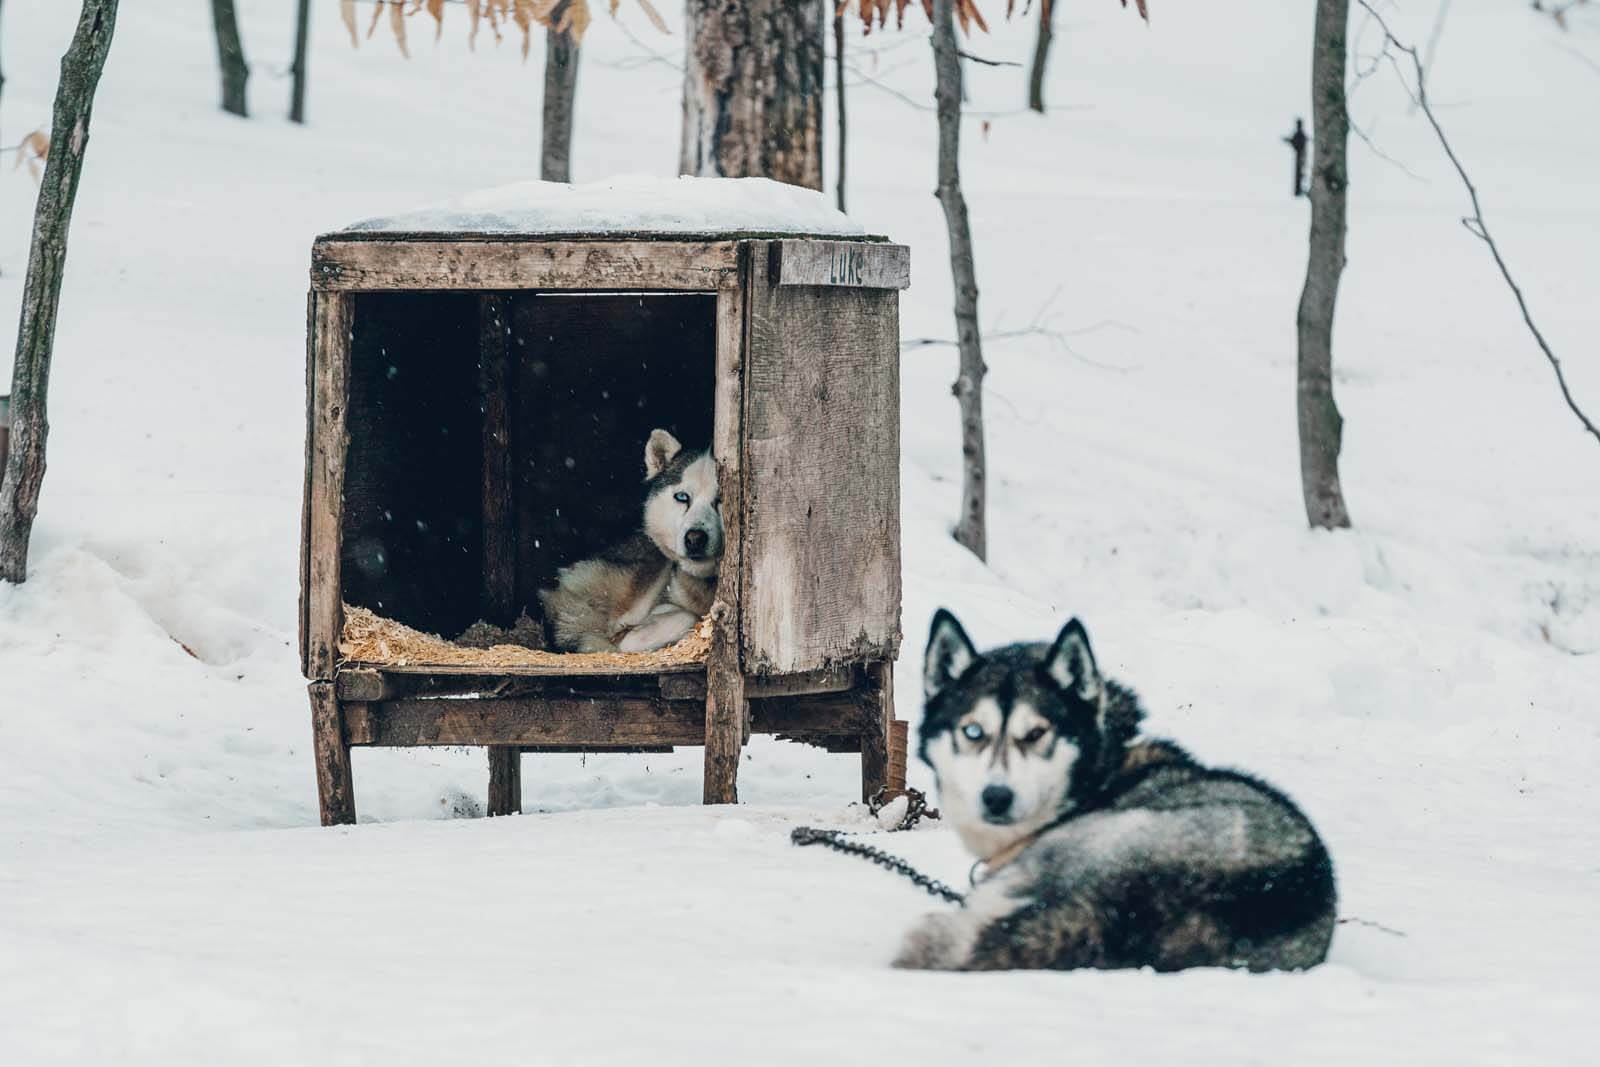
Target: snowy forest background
{"x": 1425, "y": 684}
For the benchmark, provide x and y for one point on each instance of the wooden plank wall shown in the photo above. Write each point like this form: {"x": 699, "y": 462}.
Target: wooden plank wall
{"x": 821, "y": 477}
{"x": 328, "y": 442}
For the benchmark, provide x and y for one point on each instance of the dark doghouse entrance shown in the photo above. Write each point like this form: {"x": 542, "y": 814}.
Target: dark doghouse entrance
{"x": 496, "y": 437}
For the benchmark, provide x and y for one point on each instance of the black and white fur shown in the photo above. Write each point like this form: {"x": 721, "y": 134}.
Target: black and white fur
{"x": 1103, "y": 849}
{"x": 651, "y": 589}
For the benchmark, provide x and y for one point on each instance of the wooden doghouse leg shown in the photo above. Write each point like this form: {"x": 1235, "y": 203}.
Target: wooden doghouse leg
{"x": 505, "y": 780}
{"x": 875, "y": 742}
{"x": 726, "y": 713}
{"x": 335, "y": 785}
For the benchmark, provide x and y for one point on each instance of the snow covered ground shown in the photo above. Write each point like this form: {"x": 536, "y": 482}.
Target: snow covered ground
{"x": 1427, "y": 685}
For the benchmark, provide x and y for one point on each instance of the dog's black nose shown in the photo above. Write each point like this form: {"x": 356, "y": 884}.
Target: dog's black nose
{"x": 695, "y": 541}
{"x": 997, "y": 800}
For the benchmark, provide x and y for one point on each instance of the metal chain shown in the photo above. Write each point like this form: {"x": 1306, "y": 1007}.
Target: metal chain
{"x": 835, "y": 839}
{"x": 916, "y": 806}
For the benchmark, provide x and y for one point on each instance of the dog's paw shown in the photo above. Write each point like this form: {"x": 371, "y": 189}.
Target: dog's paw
{"x": 938, "y": 942}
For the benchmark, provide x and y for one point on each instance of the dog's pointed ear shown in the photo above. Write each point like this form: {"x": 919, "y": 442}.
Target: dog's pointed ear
{"x": 1071, "y": 664}
{"x": 950, "y": 654}
{"x": 658, "y": 452}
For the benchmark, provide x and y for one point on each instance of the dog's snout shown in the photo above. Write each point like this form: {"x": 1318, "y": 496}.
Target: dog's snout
{"x": 997, "y": 800}
{"x": 695, "y": 541}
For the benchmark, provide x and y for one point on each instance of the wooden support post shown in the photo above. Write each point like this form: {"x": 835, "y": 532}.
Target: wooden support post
{"x": 505, "y": 780}
{"x": 499, "y": 527}
{"x": 727, "y": 709}
{"x": 335, "y": 785}
{"x": 329, "y": 443}
{"x": 875, "y": 741}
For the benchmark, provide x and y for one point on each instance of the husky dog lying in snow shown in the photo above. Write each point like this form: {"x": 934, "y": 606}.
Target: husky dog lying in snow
{"x": 1102, "y": 849}
{"x": 651, "y": 589}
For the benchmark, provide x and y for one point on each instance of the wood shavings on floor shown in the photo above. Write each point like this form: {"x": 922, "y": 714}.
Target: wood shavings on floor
{"x": 372, "y": 639}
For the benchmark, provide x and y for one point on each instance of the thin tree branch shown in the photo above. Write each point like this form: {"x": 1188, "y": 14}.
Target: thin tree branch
{"x": 987, "y": 62}
{"x": 1475, "y": 223}
{"x": 1581, "y": 57}
{"x": 866, "y": 79}
{"x": 1038, "y": 326}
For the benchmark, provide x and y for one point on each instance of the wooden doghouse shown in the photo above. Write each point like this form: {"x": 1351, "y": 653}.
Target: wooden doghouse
{"x": 477, "y": 407}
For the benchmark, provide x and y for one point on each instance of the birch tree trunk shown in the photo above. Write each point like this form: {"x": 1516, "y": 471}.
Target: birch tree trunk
{"x": 230, "y": 56}
{"x": 41, "y": 291}
{"x": 560, "y": 95}
{"x": 1041, "y": 55}
{"x": 971, "y": 529}
{"x": 752, "y": 90}
{"x": 1321, "y": 426}
{"x": 302, "y": 41}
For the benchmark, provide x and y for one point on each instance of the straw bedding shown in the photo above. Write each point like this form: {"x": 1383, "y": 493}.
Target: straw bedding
{"x": 371, "y": 638}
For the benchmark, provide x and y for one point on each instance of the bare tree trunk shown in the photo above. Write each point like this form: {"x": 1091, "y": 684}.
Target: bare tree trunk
{"x": 560, "y": 94}
{"x": 230, "y": 55}
{"x": 1321, "y": 426}
{"x": 971, "y": 529}
{"x": 302, "y": 39}
{"x": 838, "y": 84}
{"x": 2, "y": 81}
{"x": 752, "y": 90}
{"x": 41, "y": 292}
{"x": 1041, "y": 55}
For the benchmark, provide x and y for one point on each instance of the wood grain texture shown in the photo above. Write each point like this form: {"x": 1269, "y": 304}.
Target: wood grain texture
{"x": 329, "y": 444}
{"x": 848, "y": 264}
{"x": 537, "y": 721}
{"x": 591, "y": 721}
{"x": 393, "y": 264}
{"x": 851, "y": 715}
{"x": 831, "y": 680}
{"x": 821, "y": 514}
{"x": 335, "y": 786}
{"x": 367, "y": 683}
{"x": 305, "y": 490}
{"x": 499, "y": 512}
{"x": 876, "y": 739}
{"x": 505, "y": 780}
{"x": 726, "y": 709}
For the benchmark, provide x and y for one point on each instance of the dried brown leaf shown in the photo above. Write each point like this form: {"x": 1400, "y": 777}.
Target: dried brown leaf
{"x": 33, "y": 150}
{"x": 522, "y": 15}
{"x": 397, "y": 23}
{"x": 652, "y": 14}
{"x": 575, "y": 21}
{"x": 347, "y": 11}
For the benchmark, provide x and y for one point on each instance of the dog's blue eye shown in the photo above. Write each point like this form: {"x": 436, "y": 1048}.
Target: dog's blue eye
{"x": 972, "y": 732}
{"x": 682, "y": 498}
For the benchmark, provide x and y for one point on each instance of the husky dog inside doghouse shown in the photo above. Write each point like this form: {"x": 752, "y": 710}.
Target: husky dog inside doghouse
{"x": 651, "y": 589}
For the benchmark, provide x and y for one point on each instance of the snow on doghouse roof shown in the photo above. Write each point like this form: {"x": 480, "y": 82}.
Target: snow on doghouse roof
{"x": 677, "y": 207}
